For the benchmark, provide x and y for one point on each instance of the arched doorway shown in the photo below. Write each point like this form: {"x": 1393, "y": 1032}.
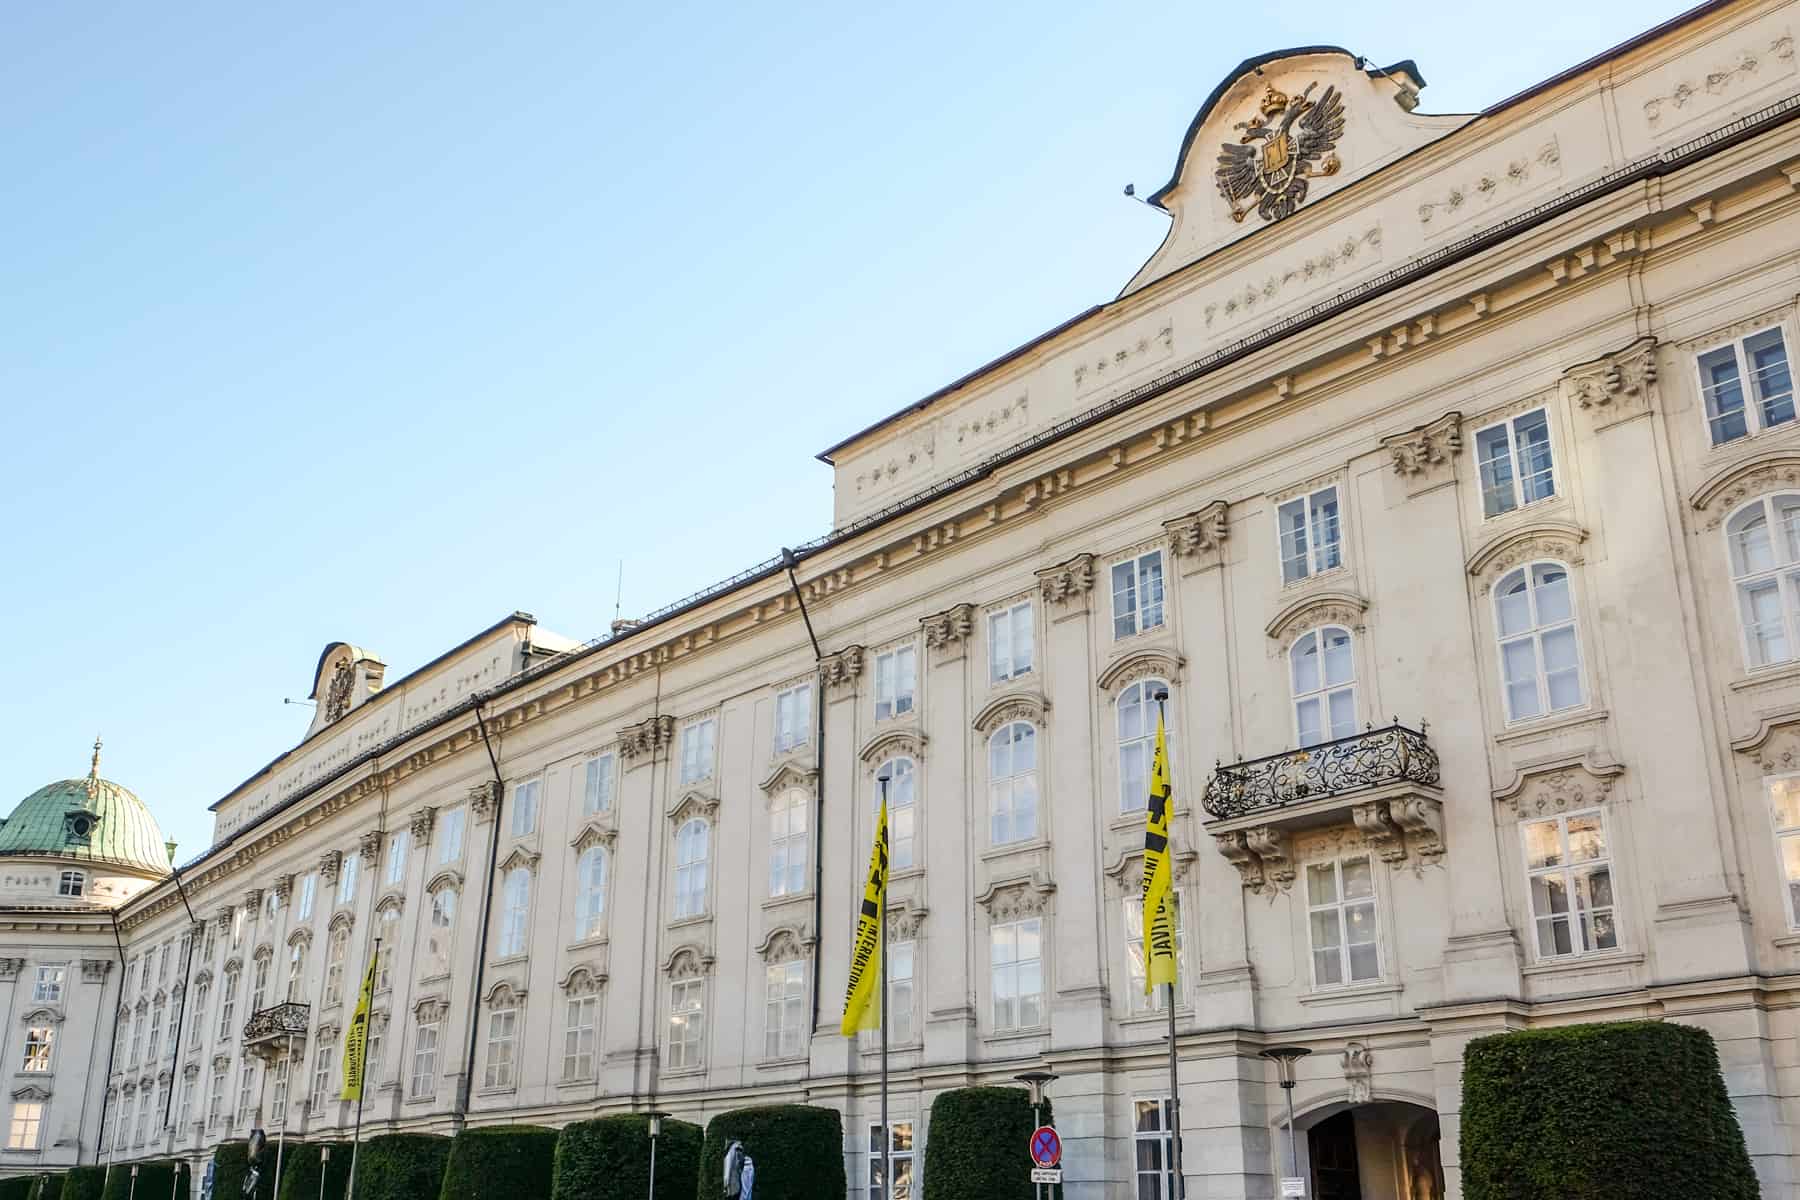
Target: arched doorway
{"x": 1378, "y": 1150}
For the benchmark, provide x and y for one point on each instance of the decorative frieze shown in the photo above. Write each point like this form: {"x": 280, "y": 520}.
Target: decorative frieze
{"x": 1560, "y": 786}
{"x": 1198, "y": 539}
{"x": 649, "y": 739}
{"x": 1616, "y": 387}
{"x": 1068, "y": 581}
{"x": 948, "y": 631}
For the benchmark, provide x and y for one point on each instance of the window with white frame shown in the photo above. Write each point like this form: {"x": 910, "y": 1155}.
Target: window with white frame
{"x": 903, "y": 810}
{"x": 515, "y": 912}
{"x": 590, "y": 894}
{"x": 296, "y": 970}
{"x": 502, "y": 1039}
{"x": 246, "y": 1092}
{"x": 1134, "y": 954}
{"x": 896, "y": 681}
{"x": 597, "y": 784}
{"x": 122, "y": 1134}
{"x": 1323, "y": 671}
{"x": 1540, "y": 664}
{"x": 237, "y": 925}
{"x": 271, "y": 904}
{"x": 1137, "y": 594}
{"x": 1569, "y": 873}
{"x": 309, "y": 888}
{"x": 399, "y": 844}
{"x": 788, "y": 843}
{"x": 47, "y": 988}
{"x": 212, "y": 940}
{"x": 793, "y": 717}
{"x": 450, "y": 835}
{"x": 321, "y": 1080}
{"x": 784, "y": 1009}
{"x": 440, "y": 931}
{"x": 578, "y": 1037}
{"x": 900, "y": 992}
{"x": 423, "y": 1083}
{"x": 156, "y": 1020}
{"x": 1514, "y": 461}
{"x": 698, "y": 747}
{"x": 162, "y": 966}
{"x": 228, "y": 1005}
{"x": 1311, "y": 535}
{"x": 40, "y": 1046}
{"x": 687, "y": 1022}
{"x": 259, "y": 985}
{"x": 1010, "y": 637}
{"x": 202, "y": 991}
{"x": 1152, "y": 1150}
{"x": 525, "y": 808}
{"x": 899, "y": 1153}
{"x": 72, "y": 883}
{"x": 372, "y": 1051}
{"x": 184, "y": 1105}
{"x": 1763, "y": 538}
{"x": 137, "y": 1040}
{"x": 1137, "y": 740}
{"x": 1761, "y": 361}
{"x": 387, "y": 940}
{"x": 347, "y": 873}
{"x": 1340, "y": 915}
{"x": 215, "y": 1097}
{"x": 691, "y": 852}
{"x": 1016, "y": 963}
{"x": 26, "y": 1127}
{"x": 335, "y": 950}
{"x": 278, "y": 1089}
{"x": 1012, "y": 783}
{"x": 1784, "y": 809}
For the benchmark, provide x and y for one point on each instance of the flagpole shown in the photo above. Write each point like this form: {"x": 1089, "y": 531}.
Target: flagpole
{"x": 887, "y": 1135}
{"x": 362, "y": 1086}
{"x": 1178, "y": 1190}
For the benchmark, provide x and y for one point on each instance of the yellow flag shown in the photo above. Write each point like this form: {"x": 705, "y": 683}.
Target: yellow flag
{"x": 356, "y": 1038}
{"x": 862, "y": 999}
{"x": 1159, "y": 926}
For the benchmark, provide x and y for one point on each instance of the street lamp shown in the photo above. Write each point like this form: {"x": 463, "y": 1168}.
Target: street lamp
{"x": 1036, "y": 1082}
{"x": 134, "y": 1170}
{"x": 656, "y": 1120}
{"x": 324, "y": 1164}
{"x": 1284, "y": 1058}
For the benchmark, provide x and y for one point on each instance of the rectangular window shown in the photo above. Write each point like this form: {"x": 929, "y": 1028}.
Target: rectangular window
{"x": 788, "y": 843}
{"x": 578, "y": 1038}
{"x": 899, "y": 1153}
{"x": 321, "y": 1080}
{"x": 503, "y": 1039}
{"x": 398, "y": 847}
{"x": 1017, "y": 963}
{"x": 347, "y": 873}
{"x": 137, "y": 1040}
{"x": 278, "y": 1094}
{"x": 72, "y": 883}
{"x": 215, "y": 1098}
{"x": 246, "y": 1093}
{"x": 450, "y": 835}
{"x": 900, "y": 992}
{"x": 184, "y": 1107}
{"x": 122, "y": 1136}
{"x": 1569, "y": 874}
{"x": 1134, "y": 955}
{"x": 237, "y": 925}
{"x": 1137, "y": 594}
{"x": 687, "y": 1021}
{"x": 697, "y": 751}
{"x": 793, "y": 717}
{"x": 162, "y": 964}
{"x": 896, "y": 682}
{"x": 1152, "y": 1151}
{"x": 1784, "y": 807}
{"x": 1010, "y": 637}
{"x": 372, "y": 1055}
{"x": 156, "y": 1017}
{"x": 1761, "y": 359}
{"x": 27, "y": 1124}
{"x": 1514, "y": 461}
{"x": 309, "y": 890}
{"x": 1310, "y": 535}
{"x": 784, "y": 1009}
{"x": 597, "y": 785}
{"x": 1340, "y": 901}
{"x": 524, "y": 810}
{"x": 40, "y": 1042}
{"x": 424, "y": 1060}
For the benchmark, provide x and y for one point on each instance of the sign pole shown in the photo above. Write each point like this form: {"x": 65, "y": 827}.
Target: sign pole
{"x": 1178, "y": 1188}
{"x": 362, "y": 1087}
{"x": 887, "y": 1134}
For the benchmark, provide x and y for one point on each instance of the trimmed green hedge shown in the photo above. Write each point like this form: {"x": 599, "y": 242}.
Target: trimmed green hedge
{"x": 83, "y": 1183}
{"x": 1598, "y": 1112}
{"x": 522, "y": 1155}
{"x": 157, "y": 1180}
{"x": 609, "y": 1159}
{"x": 231, "y": 1162}
{"x": 799, "y": 1152}
{"x": 402, "y": 1166}
{"x": 300, "y": 1169}
{"x": 18, "y": 1187}
{"x": 978, "y": 1141}
{"x": 50, "y": 1187}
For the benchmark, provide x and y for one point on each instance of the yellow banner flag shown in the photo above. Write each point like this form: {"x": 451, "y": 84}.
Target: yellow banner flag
{"x": 1159, "y": 924}
{"x": 356, "y": 1038}
{"x": 862, "y": 999}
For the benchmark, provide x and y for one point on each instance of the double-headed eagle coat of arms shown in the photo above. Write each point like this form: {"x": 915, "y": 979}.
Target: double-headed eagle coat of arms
{"x": 1289, "y": 141}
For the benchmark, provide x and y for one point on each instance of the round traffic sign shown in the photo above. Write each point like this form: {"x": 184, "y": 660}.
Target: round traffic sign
{"x": 1046, "y": 1147}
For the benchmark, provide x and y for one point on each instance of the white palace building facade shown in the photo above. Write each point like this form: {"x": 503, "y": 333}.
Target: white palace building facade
{"x": 1445, "y": 471}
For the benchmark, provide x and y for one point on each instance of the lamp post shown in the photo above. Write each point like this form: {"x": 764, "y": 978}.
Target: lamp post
{"x": 1284, "y": 1058}
{"x": 133, "y": 1192}
{"x": 656, "y": 1120}
{"x": 1036, "y": 1082}
{"x": 324, "y": 1162}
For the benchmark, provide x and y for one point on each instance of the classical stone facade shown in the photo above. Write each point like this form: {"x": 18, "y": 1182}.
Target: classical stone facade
{"x": 1443, "y": 470}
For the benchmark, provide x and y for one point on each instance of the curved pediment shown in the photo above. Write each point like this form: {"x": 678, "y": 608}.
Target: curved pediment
{"x": 895, "y": 743}
{"x": 1727, "y": 488}
{"x": 1559, "y": 540}
{"x": 1280, "y": 132}
{"x": 1334, "y": 606}
{"x": 1142, "y": 664}
{"x": 1010, "y": 707}
{"x": 789, "y": 774}
{"x": 592, "y": 834}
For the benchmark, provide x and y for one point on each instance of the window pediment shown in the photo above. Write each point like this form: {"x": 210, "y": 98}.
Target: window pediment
{"x": 342, "y": 922}
{"x": 687, "y": 962}
{"x": 520, "y": 857}
{"x": 785, "y": 943}
{"x": 300, "y": 937}
{"x": 583, "y": 979}
{"x": 447, "y": 878}
{"x": 592, "y": 834}
{"x": 1329, "y": 606}
{"x": 789, "y": 774}
{"x": 1557, "y": 785}
{"x": 905, "y": 920}
{"x": 505, "y": 993}
{"x": 895, "y": 743}
{"x": 1013, "y": 706}
{"x": 42, "y": 1016}
{"x": 425, "y": 1009}
{"x": 1722, "y": 492}
{"x": 31, "y": 1092}
{"x": 1774, "y": 743}
{"x": 1017, "y": 898}
{"x": 203, "y": 977}
{"x": 1128, "y": 869}
{"x": 1559, "y": 540}
{"x": 694, "y": 804}
{"x": 1147, "y": 663}
{"x": 391, "y": 902}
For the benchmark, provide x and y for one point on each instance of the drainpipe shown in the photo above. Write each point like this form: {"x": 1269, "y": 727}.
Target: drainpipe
{"x": 790, "y": 560}
{"x": 114, "y": 1047}
{"x": 180, "y": 1009}
{"x": 487, "y": 911}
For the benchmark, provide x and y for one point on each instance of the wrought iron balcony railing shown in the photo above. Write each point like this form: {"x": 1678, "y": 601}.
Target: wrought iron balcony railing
{"x": 1371, "y": 759}
{"x": 284, "y": 1020}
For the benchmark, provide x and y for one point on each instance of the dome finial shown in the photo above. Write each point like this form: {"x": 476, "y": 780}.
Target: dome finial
{"x": 94, "y": 767}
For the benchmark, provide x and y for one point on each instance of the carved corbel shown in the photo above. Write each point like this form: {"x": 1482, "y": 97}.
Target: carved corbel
{"x": 948, "y": 632}
{"x": 1423, "y": 820}
{"x": 284, "y": 887}
{"x": 840, "y": 670}
{"x": 1270, "y": 844}
{"x": 421, "y": 825}
{"x": 1198, "y": 539}
{"x": 370, "y": 845}
{"x": 1237, "y": 852}
{"x": 1612, "y": 389}
{"x": 1422, "y": 456}
{"x": 329, "y": 862}
{"x": 1068, "y": 582}
{"x": 648, "y": 740}
{"x": 93, "y": 970}
{"x": 1387, "y": 838}
{"x": 253, "y": 898}
{"x": 481, "y": 798}
{"x": 10, "y": 967}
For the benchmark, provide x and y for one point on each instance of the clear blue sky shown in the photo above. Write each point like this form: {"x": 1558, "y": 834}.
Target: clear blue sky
{"x": 375, "y": 322}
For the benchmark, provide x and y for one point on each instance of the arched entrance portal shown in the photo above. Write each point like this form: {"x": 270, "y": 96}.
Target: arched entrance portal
{"x": 1380, "y": 1150}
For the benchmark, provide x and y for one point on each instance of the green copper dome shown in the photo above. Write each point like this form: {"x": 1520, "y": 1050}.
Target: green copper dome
{"x": 91, "y": 818}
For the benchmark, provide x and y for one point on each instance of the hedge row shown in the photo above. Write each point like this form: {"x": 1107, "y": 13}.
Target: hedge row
{"x": 609, "y": 1159}
{"x": 48, "y": 1187}
{"x": 161, "y": 1179}
{"x": 18, "y": 1187}
{"x": 799, "y": 1152}
{"x": 522, "y": 1155}
{"x": 402, "y": 1166}
{"x": 301, "y": 1166}
{"x": 83, "y": 1183}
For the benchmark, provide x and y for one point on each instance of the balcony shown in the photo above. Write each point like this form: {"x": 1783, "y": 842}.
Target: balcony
{"x": 1384, "y": 781}
{"x": 272, "y": 1034}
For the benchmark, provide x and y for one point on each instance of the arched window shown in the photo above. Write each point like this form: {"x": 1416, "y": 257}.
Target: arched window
{"x": 1764, "y": 539}
{"x": 690, "y": 867}
{"x": 259, "y": 982}
{"x": 296, "y": 980}
{"x": 787, "y": 843}
{"x": 202, "y": 993}
{"x": 1012, "y": 783}
{"x": 590, "y": 899}
{"x": 515, "y": 912}
{"x": 335, "y": 950}
{"x": 1137, "y": 741}
{"x": 441, "y": 932}
{"x": 1540, "y": 667}
{"x": 503, "y": 1037}
{"x": 903, "y": 810}
{"x": 1323, "y": 671}
{"x": 387, "y": 929}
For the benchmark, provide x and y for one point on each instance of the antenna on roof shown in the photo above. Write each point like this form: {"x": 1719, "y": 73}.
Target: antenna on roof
{"x": 1131, "y": 194}
{"x": 619, "y": 594}
{"x": 286, "y": 700}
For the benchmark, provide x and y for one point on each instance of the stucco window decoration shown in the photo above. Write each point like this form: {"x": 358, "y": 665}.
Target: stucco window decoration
{"x": 1763, "y": 543}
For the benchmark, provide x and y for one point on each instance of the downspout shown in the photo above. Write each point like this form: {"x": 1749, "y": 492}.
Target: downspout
{"x": 180, "y": 1009}
{"x": 487, "y": 911}
{"x": 790, "y": 560}
{"x": 114, "y": 1047}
